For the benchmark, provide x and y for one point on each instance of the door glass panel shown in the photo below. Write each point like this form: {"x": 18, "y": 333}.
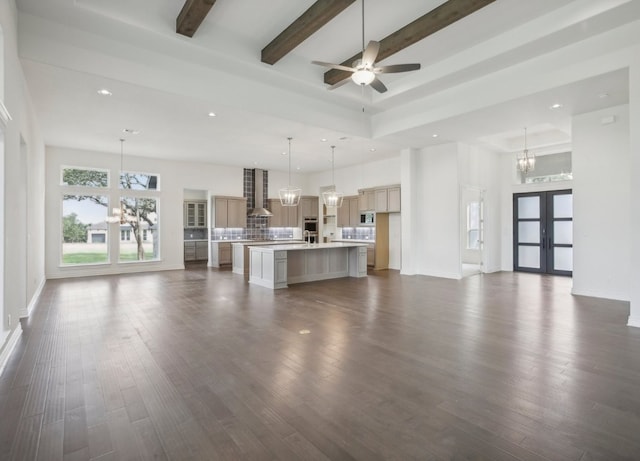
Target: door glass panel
{"x": 529, "y": 256}
{"x": 529, "y": 207}
{"x": 563, "y": 232}
{"x": 563, "y": 259}
{"x": 563, "y": 206}
{"x": 529, "y": 232}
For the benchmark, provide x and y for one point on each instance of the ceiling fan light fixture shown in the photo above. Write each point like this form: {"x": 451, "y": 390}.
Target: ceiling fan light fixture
{"x": 363, "y": 76}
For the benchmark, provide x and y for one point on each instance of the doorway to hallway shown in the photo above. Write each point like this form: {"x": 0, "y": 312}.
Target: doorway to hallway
{"x": 543, "y": 232}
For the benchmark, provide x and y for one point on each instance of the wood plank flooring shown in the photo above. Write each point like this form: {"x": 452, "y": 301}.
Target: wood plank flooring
{"x": 198, "y": 364}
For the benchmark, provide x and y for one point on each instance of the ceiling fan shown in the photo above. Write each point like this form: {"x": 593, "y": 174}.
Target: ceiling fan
{"x": 364, "y": 71}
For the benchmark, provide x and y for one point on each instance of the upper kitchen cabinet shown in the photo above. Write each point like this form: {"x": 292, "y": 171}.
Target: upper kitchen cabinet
{"x": 381, "y": 199}
{"x": 195, "y": 214}
{"x": 283, "y": 216}
{"x": 367, "y": 200}
{"x": 349, "y": 212}
{"x": 308, "y": 207}
{"x": 230, "y": 212}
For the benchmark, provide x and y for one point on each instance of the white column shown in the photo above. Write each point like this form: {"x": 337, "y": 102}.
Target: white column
{"x": 634, "y": 145}
{"x": 409, "y": 215}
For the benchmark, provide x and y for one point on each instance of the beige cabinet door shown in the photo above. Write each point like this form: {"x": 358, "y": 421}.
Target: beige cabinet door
{"x": 382, "y": 202}
{"x": 276, "y": 209}
{"x": 220, "y": 205}
{"x": 292, "y": 215}
{"x": 201, "y": 214}
{"x": 308, "y": 207}
{"x": 237, "y": 213}
{"x": 394, "y": 199}
{"x": 367, "y": 200}
{"x": 354, "y": 212}
{"x": 344, "y": 213}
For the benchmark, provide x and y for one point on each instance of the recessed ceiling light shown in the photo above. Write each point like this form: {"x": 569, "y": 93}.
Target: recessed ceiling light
{"x": 104, "y": 92}
{"x": 255, "y": 163}
{"x": 373, "y": 149}
{"x": 297, "y": 168}
{"x": 211, "y": 114}
{"x": 284, "y": 153}
{"x": 130, "y": 131}
{"x": 323, "y": 140}
{"x": 434, "y": 135}
{"x": 555, "y": 106}
{"x": 304, "y": 332}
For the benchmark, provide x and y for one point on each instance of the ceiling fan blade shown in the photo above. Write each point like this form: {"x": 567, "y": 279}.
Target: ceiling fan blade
{"x": 396, "y": 68}
{"x": 378, "y": 85}
{"x": 333, "y": 66}
{"x": 371, "y": 53}
{"x": 339, "y": 84}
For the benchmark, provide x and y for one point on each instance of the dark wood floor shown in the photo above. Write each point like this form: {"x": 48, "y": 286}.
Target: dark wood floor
{"x": 197, "y": 364}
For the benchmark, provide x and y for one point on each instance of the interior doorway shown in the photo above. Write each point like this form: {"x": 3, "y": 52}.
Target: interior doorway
{"x": 543, "y": 232}
{"x": 472, "y": 231}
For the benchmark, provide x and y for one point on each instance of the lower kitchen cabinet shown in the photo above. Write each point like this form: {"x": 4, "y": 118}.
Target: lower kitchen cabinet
{"x": 195, "y": 251}
{"x": 371, "y": 254}
{"x": 220, "y": 254}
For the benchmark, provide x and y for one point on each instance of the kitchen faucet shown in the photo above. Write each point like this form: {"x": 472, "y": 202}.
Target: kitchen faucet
{"x": 307, "y": 236}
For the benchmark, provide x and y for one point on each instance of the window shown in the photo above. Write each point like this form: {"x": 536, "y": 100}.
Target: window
{"x": 549, "y": 168}
{"x": 473, "y": 226}
{"x": 84, "y": 232}
{"x": 84, "y": 177}
{"x": 141, "y": 215}
{"x": 138, "y": 181}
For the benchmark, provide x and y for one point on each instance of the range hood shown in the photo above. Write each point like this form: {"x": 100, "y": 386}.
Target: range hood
{"x": 258, "y": 199}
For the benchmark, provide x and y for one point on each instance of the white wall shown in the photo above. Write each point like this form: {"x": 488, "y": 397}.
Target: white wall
{"x": 22, "y": 184}
{"x": 437, "y": 205}
{"x": 349, "y": 179}
{"x": 634, "y": 141}
{"x": 601, "y": 204}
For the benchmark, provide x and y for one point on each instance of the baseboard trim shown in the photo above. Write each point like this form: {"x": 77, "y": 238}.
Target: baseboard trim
{"x": 24, "y": 313}
{"x": 9, "y": 346}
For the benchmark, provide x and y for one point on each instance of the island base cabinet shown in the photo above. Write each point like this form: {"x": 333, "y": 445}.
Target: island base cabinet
{"x": 268, "y": 268}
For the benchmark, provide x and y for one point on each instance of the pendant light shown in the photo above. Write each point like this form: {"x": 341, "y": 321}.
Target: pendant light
{"x": 290, "y": 196}
{"x": 332, "y": 198}
{"x": 120, "y": 215}
{"x": 526, "y": 161}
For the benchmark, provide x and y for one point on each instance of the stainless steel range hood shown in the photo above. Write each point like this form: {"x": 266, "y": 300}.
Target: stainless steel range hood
{"x": 258, "y": 199}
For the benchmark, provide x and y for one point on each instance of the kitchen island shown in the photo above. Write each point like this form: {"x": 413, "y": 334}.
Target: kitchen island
{"x": 240, "y": 253}
{"x": 277, "y": 266}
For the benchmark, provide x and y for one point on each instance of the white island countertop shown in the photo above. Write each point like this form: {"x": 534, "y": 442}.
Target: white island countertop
{"x": 311, "y": 246}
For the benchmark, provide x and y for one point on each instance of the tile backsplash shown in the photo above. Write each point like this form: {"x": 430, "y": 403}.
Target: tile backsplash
{"x": 195, "y": 233}
{"x": 270, "y": 233}
{"x": 359, "y": 233}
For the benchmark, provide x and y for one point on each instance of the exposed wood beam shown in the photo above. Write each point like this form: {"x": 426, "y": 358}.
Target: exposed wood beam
{"x": 318, "y": 14}
{"x": 191, "y": 16}
{"x": 436, "y": 19}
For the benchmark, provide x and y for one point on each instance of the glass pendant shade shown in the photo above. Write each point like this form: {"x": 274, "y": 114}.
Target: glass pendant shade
{"x": 526, "y": 161}
{"x": 290, "y": 195}
{"x": 117, "y": 214}
{"x": 332, "y": 198}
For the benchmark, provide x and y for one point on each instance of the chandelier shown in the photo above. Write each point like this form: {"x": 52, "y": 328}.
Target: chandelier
{"x": 331, "y": 198}
{"x": 526, "y": 161}
{"x": 120, "y": 215}
{"x": 290, "y": 196}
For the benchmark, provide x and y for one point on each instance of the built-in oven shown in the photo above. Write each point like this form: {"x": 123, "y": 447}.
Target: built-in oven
{"x": 310, "y": 229}
{"x": 368, "y": 218}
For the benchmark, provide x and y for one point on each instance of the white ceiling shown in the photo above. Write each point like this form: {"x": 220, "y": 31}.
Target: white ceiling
{"x": 482, "y": 79}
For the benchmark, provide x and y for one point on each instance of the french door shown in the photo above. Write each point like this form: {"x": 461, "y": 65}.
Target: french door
{"x": 543, "y": 232}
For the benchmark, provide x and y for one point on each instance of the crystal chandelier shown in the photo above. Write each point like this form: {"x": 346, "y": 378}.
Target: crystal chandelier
{"x": 526, "y": 161}
{"x": 290, "y": 196}
{"x": 332, "y": 198}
